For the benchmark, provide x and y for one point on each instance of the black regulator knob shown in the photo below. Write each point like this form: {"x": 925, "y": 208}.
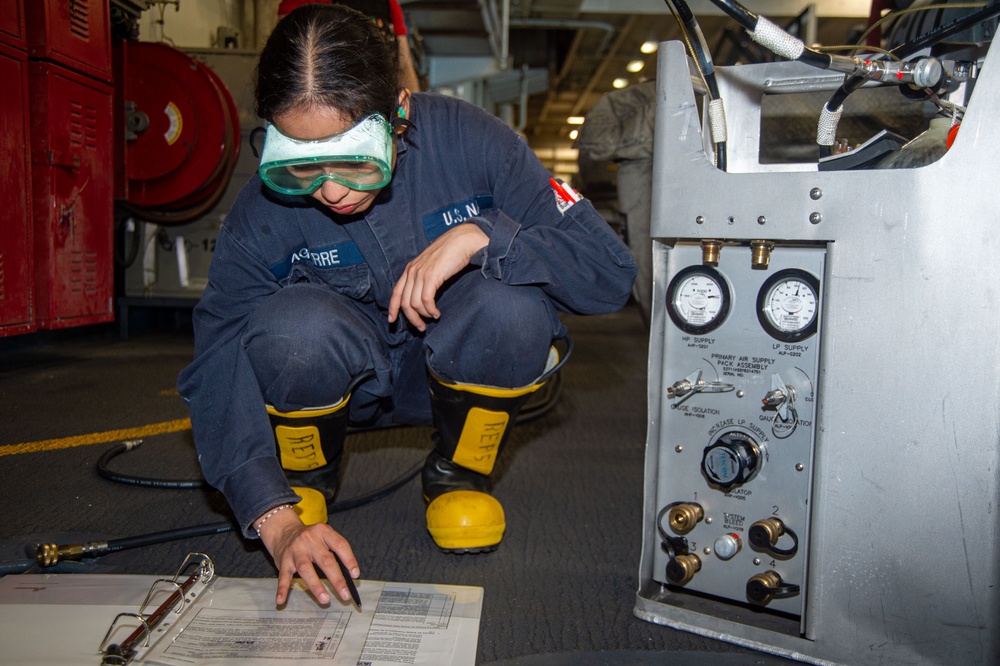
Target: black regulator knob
{"x": 733, "y": 459}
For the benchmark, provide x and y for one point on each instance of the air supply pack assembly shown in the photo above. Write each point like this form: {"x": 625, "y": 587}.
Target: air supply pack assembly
{"x": 821, "y": 475}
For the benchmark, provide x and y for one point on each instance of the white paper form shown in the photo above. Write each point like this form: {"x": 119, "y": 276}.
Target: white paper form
{"x": 424, "y": 624}
{"x": 411, "y": 624}
{"x": 61, "y": 619}
{"x": 235, "y": 623}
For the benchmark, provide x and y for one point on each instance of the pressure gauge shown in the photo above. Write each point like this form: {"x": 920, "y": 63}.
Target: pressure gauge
{"x": 698, "y": 299}
{"x": 788, "y": 305}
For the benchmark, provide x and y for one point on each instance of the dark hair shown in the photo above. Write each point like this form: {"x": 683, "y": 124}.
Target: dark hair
{"x": 327, "y": 56}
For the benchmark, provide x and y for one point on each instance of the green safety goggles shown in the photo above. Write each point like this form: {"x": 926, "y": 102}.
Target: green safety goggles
{"x": 359, "y": 158}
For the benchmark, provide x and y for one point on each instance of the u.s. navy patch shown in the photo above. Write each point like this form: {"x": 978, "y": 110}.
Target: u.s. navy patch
{"x": 443, "y": 219}
{"x": 335, "y": 256}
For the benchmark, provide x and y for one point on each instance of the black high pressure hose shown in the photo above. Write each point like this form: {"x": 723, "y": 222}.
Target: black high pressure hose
{"x": 48, "y": 555}
{"x": 753, "y": 23}
{"x": 696, "y": 42}
{"x": 929, "y": 38}
{"x": 924, "y": 73}
{"x": 550, "y": 396}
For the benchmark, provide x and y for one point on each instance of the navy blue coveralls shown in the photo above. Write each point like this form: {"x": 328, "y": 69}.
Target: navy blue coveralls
{"x": 297, "y": 297}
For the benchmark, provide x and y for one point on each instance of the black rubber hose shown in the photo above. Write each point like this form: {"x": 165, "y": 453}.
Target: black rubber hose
{"x": 145, "y": 482}
{"x": 99, "y": 549}
{"x": 553, "y": 388}
{"x": 126, "y": 543}
{"x": 909, "y": 48}
{"x": 738, "y": 12}
{"x": 378, "y": 493}
{"x": 19, "y": 566}
{"x": 696, "y": 38}
{"x": 947, "y": 30}
{"x": 550, "y": 392}
{"x": 748, "y": 20}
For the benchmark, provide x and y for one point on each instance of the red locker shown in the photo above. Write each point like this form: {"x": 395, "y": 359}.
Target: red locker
{"x": 72, "y": 174}
{"x": 12, "y": 24}
{"x": 16, "y": 262}
{"x": 74, "y": 33}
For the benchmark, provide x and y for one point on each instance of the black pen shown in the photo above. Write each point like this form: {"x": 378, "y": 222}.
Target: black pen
{"x": 350, "y": 581}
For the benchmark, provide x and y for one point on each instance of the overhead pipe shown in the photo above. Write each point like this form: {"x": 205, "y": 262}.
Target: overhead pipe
{"x": 505, "y": 37}
{"x": 568, "y": 24}
{"x": 497, "y": 24}
{"x": 522, "y": 109}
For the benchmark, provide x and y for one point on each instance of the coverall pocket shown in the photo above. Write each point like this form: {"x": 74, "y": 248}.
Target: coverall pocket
{"x": 355, "y": 282}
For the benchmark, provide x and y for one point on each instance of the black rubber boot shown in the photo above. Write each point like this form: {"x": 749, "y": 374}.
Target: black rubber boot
{"x": 310, "y": 444}
{"x": 472, "y": 423}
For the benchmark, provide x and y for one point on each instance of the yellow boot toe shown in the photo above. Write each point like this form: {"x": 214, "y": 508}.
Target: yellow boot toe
{"x": 466, "y": 521}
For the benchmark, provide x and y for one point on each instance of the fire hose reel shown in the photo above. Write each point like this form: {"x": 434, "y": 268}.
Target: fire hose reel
{"x": 182, "y": 133}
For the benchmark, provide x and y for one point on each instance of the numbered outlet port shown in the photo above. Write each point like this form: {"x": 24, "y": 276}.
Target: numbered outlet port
{"x": 768, "y": 585}
{"x": 681, "y": 569}
{"x": 683, "y": 517}
{"x": 766, "y": 534}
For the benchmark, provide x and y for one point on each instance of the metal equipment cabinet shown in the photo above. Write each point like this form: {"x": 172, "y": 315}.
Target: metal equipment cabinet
{"x": 72, "y": 160}
{"x": 12, "y": 24}
{"x": 72, "y": 172}
{"x": 824, "y": 380}
{"x": 16, "y": 261}
{"x": 74, "y": 33}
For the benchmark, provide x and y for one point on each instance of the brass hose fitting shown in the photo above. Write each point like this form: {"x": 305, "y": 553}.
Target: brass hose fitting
{"x": 765, "y": 533}
{"x": 710, "y": 250}
{"x": 683, "y": 517}
{"x": 761, "y": 588}
{"x": 681, "y": 569}
{"x": 760, "y": 254}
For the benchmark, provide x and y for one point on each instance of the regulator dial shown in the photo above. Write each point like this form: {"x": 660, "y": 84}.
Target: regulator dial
{"x": 698, "y": 299}
{"x": 788, "y": 305}
{"x": 733, "y": 459}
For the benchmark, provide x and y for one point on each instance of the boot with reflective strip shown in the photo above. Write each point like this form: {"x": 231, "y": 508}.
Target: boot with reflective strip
{"x": 310, "y": 442}
{"x": 472, "y": 423}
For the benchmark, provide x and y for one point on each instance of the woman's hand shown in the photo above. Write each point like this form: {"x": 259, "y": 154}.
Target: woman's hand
{"x": 416, "y": 290}
{"x": 296, "y": 548}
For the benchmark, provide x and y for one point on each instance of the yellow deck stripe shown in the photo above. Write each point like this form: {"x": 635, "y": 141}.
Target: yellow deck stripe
{"x": 97, "y": 437}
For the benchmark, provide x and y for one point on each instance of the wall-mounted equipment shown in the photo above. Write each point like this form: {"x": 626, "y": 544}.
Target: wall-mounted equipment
{"x": 822, "y": 451}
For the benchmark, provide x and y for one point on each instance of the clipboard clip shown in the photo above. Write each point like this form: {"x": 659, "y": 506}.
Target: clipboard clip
{"x": 119, "y": 654}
